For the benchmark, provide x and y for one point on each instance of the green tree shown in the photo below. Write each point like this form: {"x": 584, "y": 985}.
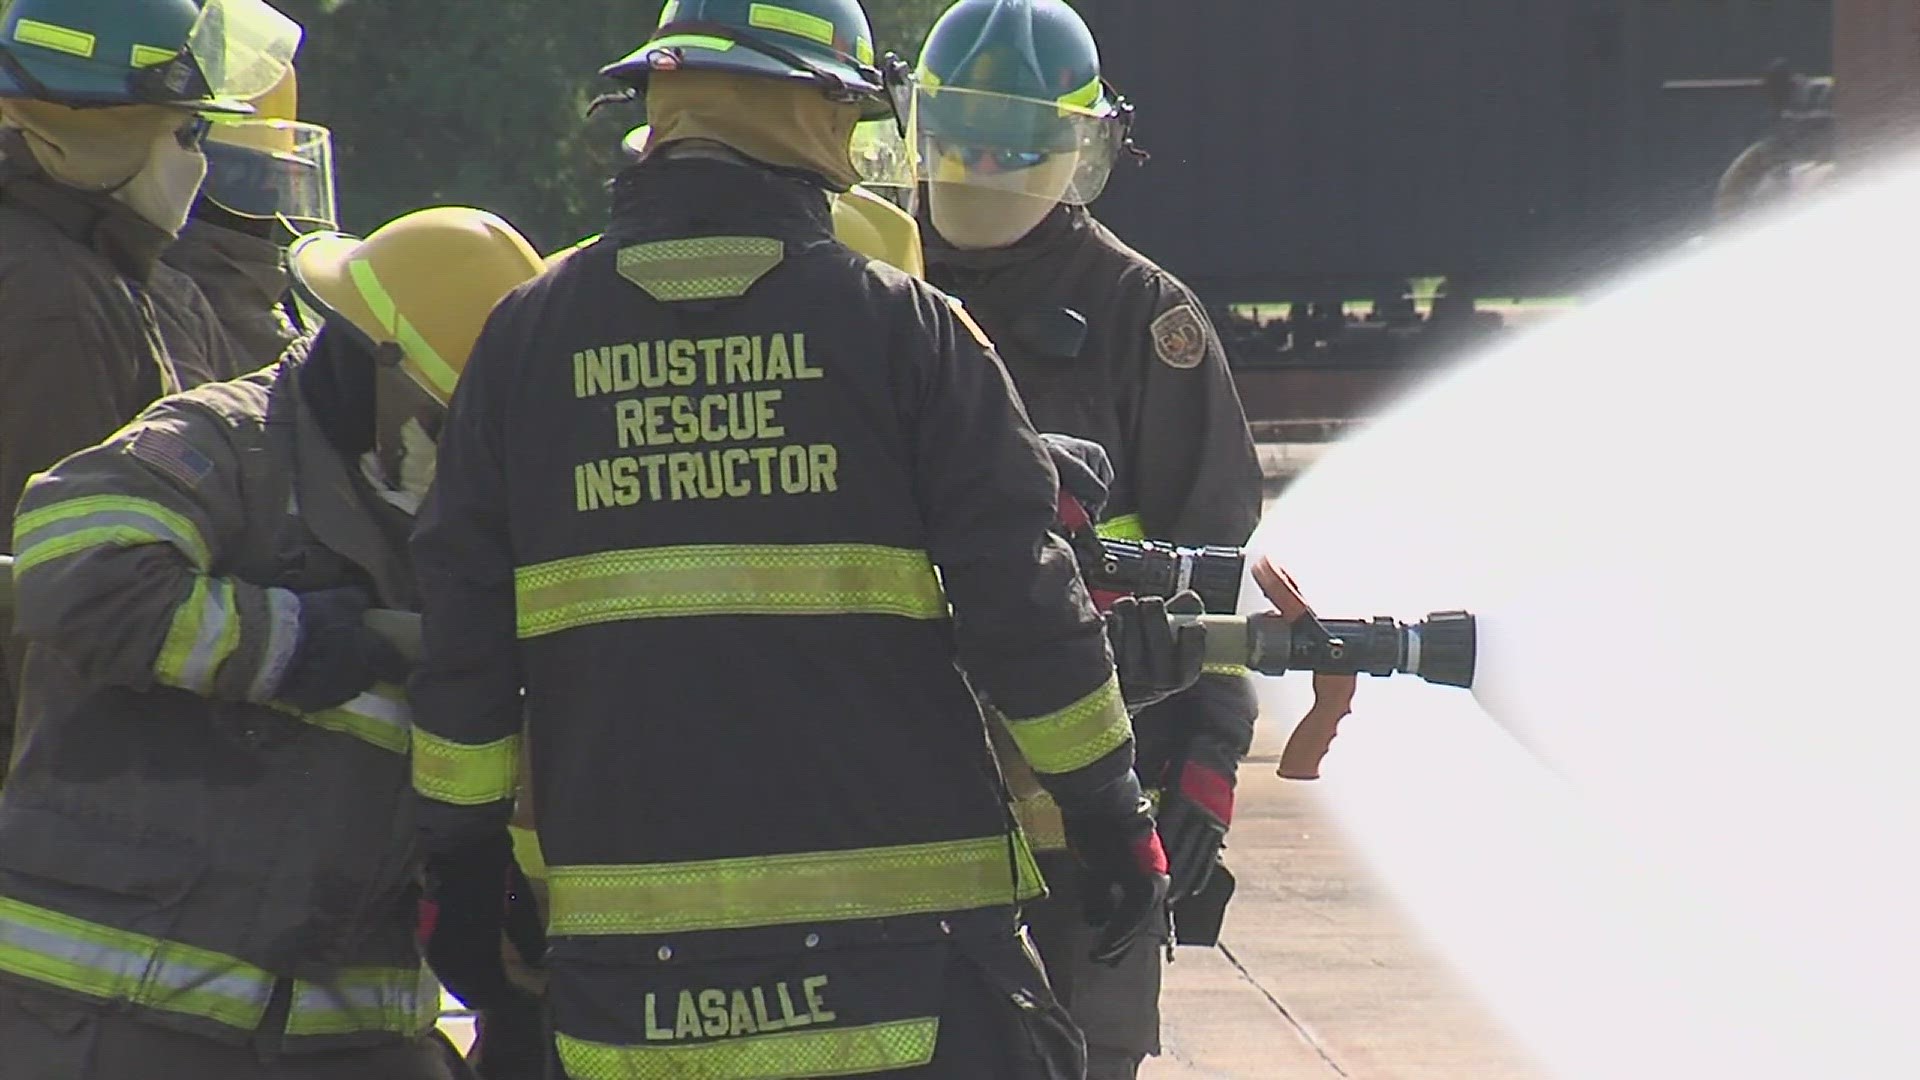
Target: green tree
{"x": 483, "y": 102}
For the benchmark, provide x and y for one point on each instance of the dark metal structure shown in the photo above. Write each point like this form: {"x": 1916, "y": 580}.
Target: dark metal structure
{"x": 1316, "y": 151}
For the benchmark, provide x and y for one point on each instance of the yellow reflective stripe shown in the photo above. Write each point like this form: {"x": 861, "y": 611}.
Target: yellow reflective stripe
{"x": 1124, "y": 527}
{"x": 780, "y": 890}
{"x": 203, "y": 636}
{"x": 105, "y": 963}
{"x": 845, "y": 1051}
{"x": 1084, "y": 98}
{"x": 787, "y": 20}
{"x": 726, "y": 579}
{"x": 463, "y": 775}
{"x": 863, "y": 50}
{"x": 691, "y": 41}
{"x": 149, "y": 55}
{"x": 667, "y": 13}
{"x": 700, "y": 268}
{"x": 62, "y": 528}
{"x": 526, "y": 852}
{"x": 58, "y": 38}
{"x": 1076, "y": 736}
{"x": 405, "y": 1000}
{"x": 379, "y": 717}
{"x": 1231, "y": 671}
{"x": 1039, "y": 817}
{"x": 429, "y": 365}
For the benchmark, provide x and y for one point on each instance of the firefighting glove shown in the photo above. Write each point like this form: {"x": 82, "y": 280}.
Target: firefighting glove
{"x": 510, "y": 1042}
{"x": 1196, "y": 807}
{"x": 1123, "y": 874}
{"x": 464, "y": 915}
{"x": 1154, "y": 658}
{"x": 1085, "y": 472}
{"x": 336, "y": 658}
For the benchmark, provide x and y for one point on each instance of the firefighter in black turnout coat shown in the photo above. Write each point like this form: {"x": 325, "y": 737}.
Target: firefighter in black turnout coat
{"x": 1019, "y": 134}
{"x": 691, "y": 498}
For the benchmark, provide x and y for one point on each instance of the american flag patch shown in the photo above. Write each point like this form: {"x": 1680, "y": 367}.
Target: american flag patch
{"x": 172, "y": 455}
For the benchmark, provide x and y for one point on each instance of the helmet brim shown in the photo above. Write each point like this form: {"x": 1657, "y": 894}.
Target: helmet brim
{"x": 702, "y": 52}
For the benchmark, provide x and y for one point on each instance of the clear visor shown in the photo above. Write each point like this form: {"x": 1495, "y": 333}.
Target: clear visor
{"x": 243, "y": 47}
{"x": 885, "y": 159}
{"x": 272, "y": 169}
{"x": 1048, "y": 150}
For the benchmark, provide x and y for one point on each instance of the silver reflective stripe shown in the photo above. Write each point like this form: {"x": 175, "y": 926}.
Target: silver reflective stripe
{"x": 380, "y": 999}
{"x": 116, "y": 965}
{"x": 214, "y": 642}
{"x": 383, "y": 710}
{"x": 283, "y": 633}
{"x": 148, "y": 524}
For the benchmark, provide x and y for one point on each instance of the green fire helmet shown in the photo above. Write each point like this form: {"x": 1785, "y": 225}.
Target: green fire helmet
{"x": 211, "y": 57}
{"x": 1009, "y": 96}
{"x": 827, "y": 43}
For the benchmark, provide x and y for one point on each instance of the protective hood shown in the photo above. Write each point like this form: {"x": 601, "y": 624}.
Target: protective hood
{"x": 131, "y": 152}
{"x": 788, "y": 125}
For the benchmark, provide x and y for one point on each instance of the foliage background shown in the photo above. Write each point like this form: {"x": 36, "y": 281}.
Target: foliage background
{"x": 483, "y": 102}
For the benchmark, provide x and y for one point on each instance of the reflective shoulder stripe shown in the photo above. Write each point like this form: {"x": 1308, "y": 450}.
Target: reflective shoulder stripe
{"x": 737, "y": 579}
{"x": 1124, "y": 527}
{"x": 700, "y": 268}
{"x": 379, "y": 716}
{"x": 405, "y": 1000}
{"x": 1076, "y": 736}
{"x": 846, "y": 1051}
{"x": 204, "y": 634}
{"x": 463, "y": 775}
{"x": 781, "y": 890}
{"x": 117, "y": 965}
{"x": 63, "y": 528}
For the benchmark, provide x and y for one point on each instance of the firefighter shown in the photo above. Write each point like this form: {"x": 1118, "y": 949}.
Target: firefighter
{"x": 692, "y": 496}
{"x": 1019, "y": 133}
{"x": 206, "y": 856}
{"x": 101, "y": 105}
{"x": 269, "y": 178}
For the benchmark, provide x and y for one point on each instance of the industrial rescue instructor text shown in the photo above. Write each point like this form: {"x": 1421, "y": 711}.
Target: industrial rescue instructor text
{"x": 742, "y": 376}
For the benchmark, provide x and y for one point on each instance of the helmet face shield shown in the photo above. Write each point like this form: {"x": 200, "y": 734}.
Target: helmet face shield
{"x": 243, "y": 47}
{"x": 886, "y": 161}
{"x": 272, "y": 169}
{"x": 1052, "y": 150}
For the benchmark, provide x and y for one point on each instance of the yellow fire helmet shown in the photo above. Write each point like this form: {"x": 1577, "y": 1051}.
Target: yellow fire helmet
{"x": 426, "y": 281}
{"x": 271, "y": 166}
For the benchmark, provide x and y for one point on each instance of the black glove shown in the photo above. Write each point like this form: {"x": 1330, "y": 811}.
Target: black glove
{"x": 1154, "y": 658}
{"x": 336, "y": 657}
{"x": 1085, "y": 471}
{"x": 1123, "y": 875}
{"x": 510, "y": 1042}
{"x": 467, "y": 899}
{"x": 1196, "y": 807}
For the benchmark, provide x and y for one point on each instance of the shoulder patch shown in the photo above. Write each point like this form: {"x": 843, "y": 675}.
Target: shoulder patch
{"x": 960, "y": 312}
{"x": 172, "y": 455}
{"x": 1180, "y": 337}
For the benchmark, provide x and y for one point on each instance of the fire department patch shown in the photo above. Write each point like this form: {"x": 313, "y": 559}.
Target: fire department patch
{"x": 1180, "y": 338}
